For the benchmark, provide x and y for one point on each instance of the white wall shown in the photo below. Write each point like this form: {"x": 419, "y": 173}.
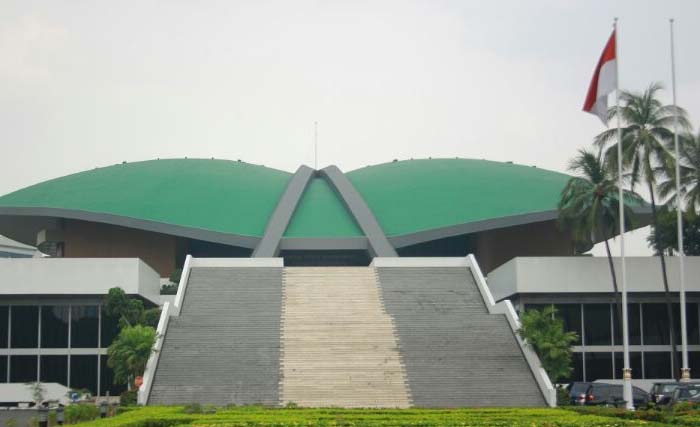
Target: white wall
{"x": 587, "y": 275}
{"x": 77, "y": 276}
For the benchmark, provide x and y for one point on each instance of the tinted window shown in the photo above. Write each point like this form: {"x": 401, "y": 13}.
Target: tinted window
{"x": 597, "y": 324}
{"x": 84, "y": 326}
{"x": 23, "y": 369}
{"x": 3, "y": 325}
{"x": 691, "y": 322}
{"x": 656, "y": 327}
{"x": 598, "y": 366}
{"x": 54, "y": 369}
{"x": 634, "y": 325}
{"x": 107, "y": 380}
{"x": 3, "y": 369}
{"x": 83, "y": 373}
{"x": 110, "y": 329}
{"x": 570, "y": 314}
{"x": 635, "y": 364}
{"x": 657, "y": 365}
{"x": 25, "y": 326}
{"x": 54, "y": 326}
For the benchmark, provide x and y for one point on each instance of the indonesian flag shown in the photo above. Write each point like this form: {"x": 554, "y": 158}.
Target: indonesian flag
{"x": 604, "y": 82}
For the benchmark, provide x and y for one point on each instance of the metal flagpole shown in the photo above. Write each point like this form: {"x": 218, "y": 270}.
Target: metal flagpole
{"x": 626, "y": 371}
{"x": 685, "y": 371}
{"x": 316, "y": 145}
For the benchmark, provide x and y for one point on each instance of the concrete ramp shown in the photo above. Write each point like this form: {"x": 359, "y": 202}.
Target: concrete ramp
{"x": 339, "y": 347}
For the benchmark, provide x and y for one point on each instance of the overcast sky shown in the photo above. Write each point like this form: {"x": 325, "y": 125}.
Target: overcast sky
{"x": 86, "y": 84}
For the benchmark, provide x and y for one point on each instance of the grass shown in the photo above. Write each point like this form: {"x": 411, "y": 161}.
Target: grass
{"x": 256, "y": 416}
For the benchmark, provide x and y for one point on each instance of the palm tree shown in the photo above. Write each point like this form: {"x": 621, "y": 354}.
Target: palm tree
{"x": 645, "y": 156}
{"x": 589, "y": 207}
{"x": 689, "y": 151}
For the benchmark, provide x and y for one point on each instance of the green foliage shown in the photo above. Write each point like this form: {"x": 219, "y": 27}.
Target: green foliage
{"x": 81, "y": 412}
{"x": 129, "y": 352}
{"x": 258, "y": 416}
{"x": 192, "y": 408}
{"x": 120, "y": 306}
{"x": 666, "y": 233}
{"x": 169, "y": 289}
{"x": 544, "y": 332}
{"x": 150, "y": 317}
{"x": 689, "y": 150}
{"x": 128, "y": 398}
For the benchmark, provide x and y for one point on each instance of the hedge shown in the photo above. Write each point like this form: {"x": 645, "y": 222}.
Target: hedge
{"x": 255, "y": 416}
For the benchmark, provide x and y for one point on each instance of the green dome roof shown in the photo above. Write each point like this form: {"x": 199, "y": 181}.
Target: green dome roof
{"x": 238, "y": 199}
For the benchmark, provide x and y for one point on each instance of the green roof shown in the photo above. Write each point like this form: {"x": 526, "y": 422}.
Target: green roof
{"x": 238, "y": 198}
{"x": 417, "y": 195}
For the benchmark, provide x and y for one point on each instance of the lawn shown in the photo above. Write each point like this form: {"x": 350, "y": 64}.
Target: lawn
{"x": 254, "y": 416}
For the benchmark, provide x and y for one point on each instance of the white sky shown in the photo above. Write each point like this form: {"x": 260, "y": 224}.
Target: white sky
{"x": 86, "y": 84}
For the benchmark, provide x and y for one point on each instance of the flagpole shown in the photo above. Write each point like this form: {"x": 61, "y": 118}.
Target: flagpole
{"x": 685, "y": 371}
{"x": 626, "y": 371}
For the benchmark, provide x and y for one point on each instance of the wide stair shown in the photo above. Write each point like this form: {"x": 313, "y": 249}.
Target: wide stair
{"x": 456, "y": 354}
{"x": 339, "y": 346}
{"x": 224, "y": 348}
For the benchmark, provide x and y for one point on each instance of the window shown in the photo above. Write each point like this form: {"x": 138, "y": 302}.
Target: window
{"x": 596, "y": 318}
{"x": 656, "y": 327}
{"x": 3, "y": 369}
{"x": 23, "y": 368}
{"x": 110, "y": 329}
{"x": 635, "y": 332}
{"x": 571, "y": 315}
{"x": 4, "y": 310}
{"x": 84, "y": 326}
{"x": 25, "y": 326}
{"x": 635, "y": 364}
{"x": 83, "y": 373}
{"x": 657, "y": 365}
{"x": 54, "y": 369}
{"x": 598, "y": 366}
{"x": 694, "y": 363}
{"x": 691, "y": 323}
{"x": 54, "y": 326}
{"x": 107, "y": 380}
{"x": 577, "y": 371}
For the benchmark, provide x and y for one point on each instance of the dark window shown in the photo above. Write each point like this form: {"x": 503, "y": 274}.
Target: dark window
{"x": 596, "y": 318}
{"x": 110, "y": 329}
{"x": 570, "y": 314}
{"x": 25, "y": 326}
{"x": 3, "y": 326}
{"x": 54, "y": 326}
{"x": 656, "y": 327}
{"x": 577, "y": 371}
{"x": 536, "y": 306}
{"x": 22, "y": 368}
{"x": 83, "y": 373}
{"x": 54, "y": 369}
{"x": 598, "y": 366}
{"x": 657, "y": 365}
{"x": 635, "y": 333}
{"x": 635, "y": 364}
{"x": 107, "y": 380}
{"x": 694, "y": 363}
{"x": 691, "y": 323}
{"x": 3, "y": 369}
{"x": 84, "y": 326}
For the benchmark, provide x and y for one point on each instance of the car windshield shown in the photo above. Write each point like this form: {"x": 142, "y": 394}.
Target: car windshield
{"x": 579, "y": 388}
{"x": 689, "y": 392}
{"x": 668, "y": 388}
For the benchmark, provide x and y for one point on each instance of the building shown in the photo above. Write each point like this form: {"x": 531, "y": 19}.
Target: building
{"x": 12, "y": 249}
{"x": 248, "y": 237}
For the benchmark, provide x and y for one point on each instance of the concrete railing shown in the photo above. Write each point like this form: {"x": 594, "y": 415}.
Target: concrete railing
{"x": 150, "y": 371}
{"x": 184, "y": 277}
{"x": 505, "y": 307}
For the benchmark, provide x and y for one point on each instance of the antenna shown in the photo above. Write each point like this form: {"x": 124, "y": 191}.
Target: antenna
{"x": 315, "y": 145}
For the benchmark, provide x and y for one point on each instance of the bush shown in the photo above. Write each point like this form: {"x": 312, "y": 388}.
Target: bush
{"x": 81, "y": 412}
{"x": 151, "y": 317}
{"x": 128, "y": 398}
{"x": 169, "y": 289}
{"x": 193, "y": 408}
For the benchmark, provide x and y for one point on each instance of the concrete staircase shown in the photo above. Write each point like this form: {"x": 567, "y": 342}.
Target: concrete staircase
{"x": 456, "y": 354}
{"x": 339, "y": 347}
{"x": 224, "y": 346}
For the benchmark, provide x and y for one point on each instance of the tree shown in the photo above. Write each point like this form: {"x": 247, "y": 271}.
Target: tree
{"x": 589, "y": 207}
{"x": 129, "y": 311}
{"x": 689, "y": 163}
{"x": 544, "y": 332}
{"x": 129, "y": 353}
{"x": 665, "y": 234}
{"x": 645, "y": 157}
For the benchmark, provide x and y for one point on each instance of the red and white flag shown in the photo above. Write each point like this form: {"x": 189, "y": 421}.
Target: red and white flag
{"x": 604, "y": 82}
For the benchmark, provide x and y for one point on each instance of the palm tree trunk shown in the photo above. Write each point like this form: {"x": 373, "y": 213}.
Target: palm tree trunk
{"x": 618, "y": 303}
{"x": 667, "y": 294}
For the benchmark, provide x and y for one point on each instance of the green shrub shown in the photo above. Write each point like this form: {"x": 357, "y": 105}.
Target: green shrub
{"x": 193, "y": 408}
{"x": 81, "y": 412}
{"x": 128, "y": 398}
{"x": 169, "y": 289}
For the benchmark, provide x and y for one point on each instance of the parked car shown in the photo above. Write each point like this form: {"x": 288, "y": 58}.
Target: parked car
{"x": 685, "y": 393}
{"x": 662, "y": 392}
{"x": 602, "y": 394}
{"x": 577, "y": 393}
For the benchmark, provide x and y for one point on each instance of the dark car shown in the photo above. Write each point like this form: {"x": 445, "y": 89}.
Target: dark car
{"x": 686, "y": 393}
{"x": 662, "y": 392}
{"x": 602, "y": 394}
{"x": 577, "y": 393}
